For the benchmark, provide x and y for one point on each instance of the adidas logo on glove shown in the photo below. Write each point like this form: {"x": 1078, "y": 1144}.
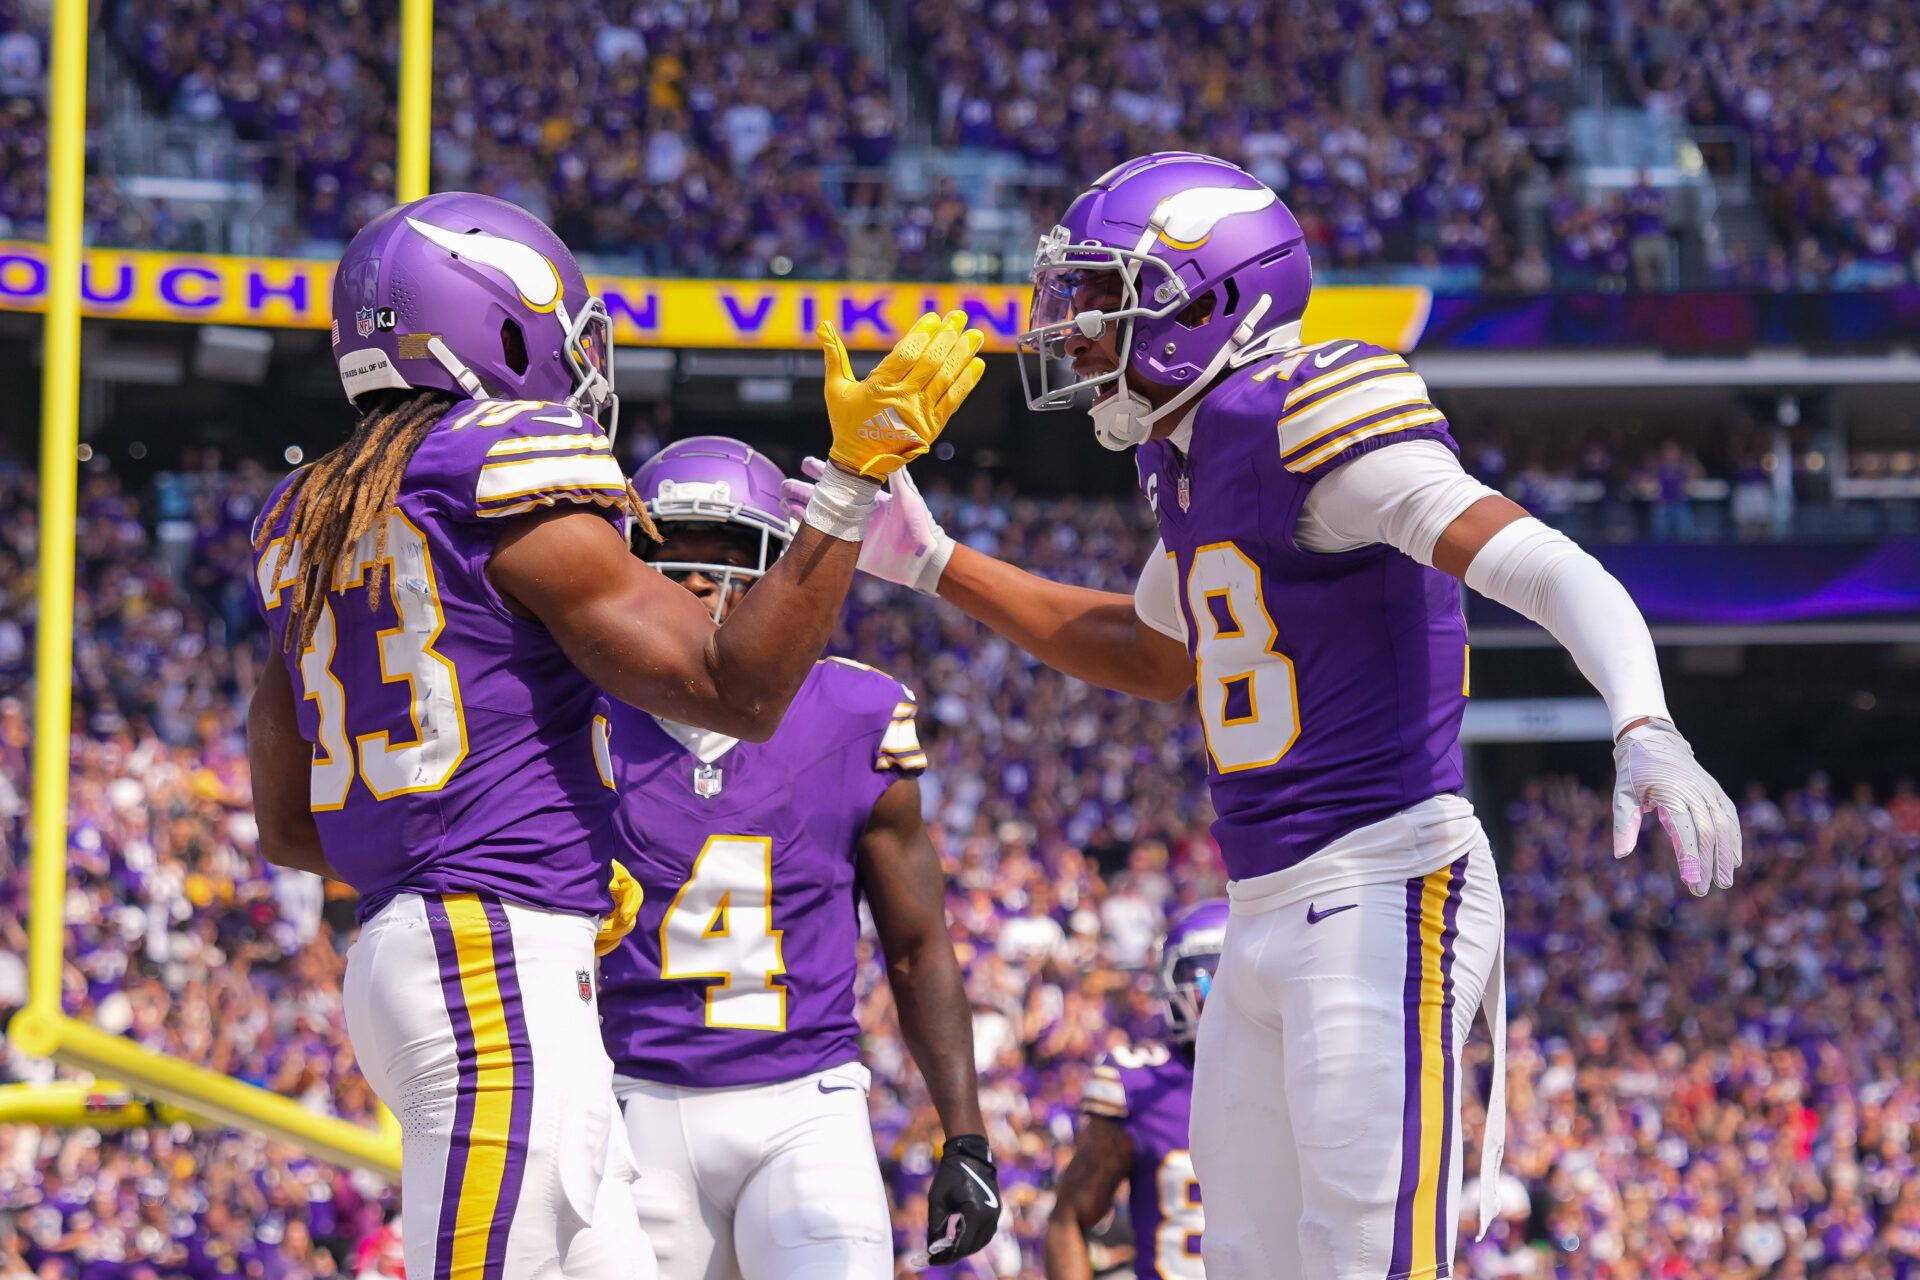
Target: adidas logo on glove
{"x": 887, "y": 425}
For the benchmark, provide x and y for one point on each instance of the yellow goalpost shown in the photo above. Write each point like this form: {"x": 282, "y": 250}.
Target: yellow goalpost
{"x": 43, "y": 1027}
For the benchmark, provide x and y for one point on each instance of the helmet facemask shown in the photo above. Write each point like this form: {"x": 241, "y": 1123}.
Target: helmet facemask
{"x": 696, "y": 507}
{"x": 1186, "y": 979}
{"x": 589, "y": 351}
{"x": 1081, "y": 289}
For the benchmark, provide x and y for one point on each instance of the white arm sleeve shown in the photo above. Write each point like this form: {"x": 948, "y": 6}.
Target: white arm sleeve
{"x": 1404, "y": 495}
{"x": 1156, "y": 598}
{"x": 1543, "y": 575}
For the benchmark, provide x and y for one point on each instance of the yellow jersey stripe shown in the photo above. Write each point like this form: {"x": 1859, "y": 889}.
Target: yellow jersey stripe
{"x": 1433, "y": 1065}
{"x": 488, "y": 1138}
{"x": 1420, "y": 416}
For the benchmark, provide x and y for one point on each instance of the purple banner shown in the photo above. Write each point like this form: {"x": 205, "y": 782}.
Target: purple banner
{"x": 1696, "y": 323}
{"x": 1755, "y": 583}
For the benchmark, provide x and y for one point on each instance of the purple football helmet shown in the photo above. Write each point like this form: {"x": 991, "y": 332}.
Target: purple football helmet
{"x": 1189, "y": 956}
{"x": 475, "y": 296}
{"x": 712, "y": 480}
{"x": 1195, "y": 260}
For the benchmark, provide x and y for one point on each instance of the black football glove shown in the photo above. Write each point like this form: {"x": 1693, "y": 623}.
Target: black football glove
{"x": 963, "y": 1205}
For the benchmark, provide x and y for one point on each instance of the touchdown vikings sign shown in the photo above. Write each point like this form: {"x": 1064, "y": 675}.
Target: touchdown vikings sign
{"x": 292, "y": 293}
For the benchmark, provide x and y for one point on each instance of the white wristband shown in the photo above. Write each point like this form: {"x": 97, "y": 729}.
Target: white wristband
{"x": 927, "y": 580}
{"x": 842, "y": 504}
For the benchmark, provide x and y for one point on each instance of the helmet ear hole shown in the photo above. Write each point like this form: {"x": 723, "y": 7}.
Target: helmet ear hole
{"x": 1197, "y": 312}
{"x": 513, "y": 345}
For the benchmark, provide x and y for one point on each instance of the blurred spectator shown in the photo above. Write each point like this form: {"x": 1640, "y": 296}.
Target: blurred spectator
{"x": 1647, "y": 234}
{"x": 1667, "y": 480}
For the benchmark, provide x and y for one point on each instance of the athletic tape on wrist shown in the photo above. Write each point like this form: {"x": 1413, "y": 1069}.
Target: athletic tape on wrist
{"x": 842, "y": 505}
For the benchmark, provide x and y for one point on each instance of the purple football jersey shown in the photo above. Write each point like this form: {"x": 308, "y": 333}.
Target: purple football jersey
{"x": 1330, "y": 685}
{"x": 740, "y": 968}
{"x": 1148, "y": 1090}
{"x": 451, "y": 744}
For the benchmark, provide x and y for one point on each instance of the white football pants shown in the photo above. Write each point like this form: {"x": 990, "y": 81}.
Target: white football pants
{"x": 477, "y": 1023}
{"x": 760, "y": 1182}
{"x": 1326, "y": 1098}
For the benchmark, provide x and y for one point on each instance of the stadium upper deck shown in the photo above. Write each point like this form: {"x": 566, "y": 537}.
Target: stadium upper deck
{"x": 759, "y": 138}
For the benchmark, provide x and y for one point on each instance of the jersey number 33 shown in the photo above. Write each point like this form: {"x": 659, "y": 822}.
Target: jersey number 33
{"x": 426, "y": 759}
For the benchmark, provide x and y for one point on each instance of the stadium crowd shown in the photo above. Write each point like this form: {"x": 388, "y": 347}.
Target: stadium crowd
{"x": 1398, "y": 133}
{"x": 1721, "y": 1089}
{"x": 747, "y": 137}
{"x": 1829, "y": 98}
{"x": 684, "y": 137}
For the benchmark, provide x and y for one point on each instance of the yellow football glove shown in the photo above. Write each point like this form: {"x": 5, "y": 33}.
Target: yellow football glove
{"x": 618, "y": 922}
{"x": 895, "y": 415}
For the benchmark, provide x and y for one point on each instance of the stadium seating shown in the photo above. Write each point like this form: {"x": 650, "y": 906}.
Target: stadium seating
{"x": 684, "y": 138}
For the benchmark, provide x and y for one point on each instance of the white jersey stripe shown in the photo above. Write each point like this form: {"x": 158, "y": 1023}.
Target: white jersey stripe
{"x": 591, "y": 442}
{"x": 1418, "y": 418}
{"x": 586, "y": 470}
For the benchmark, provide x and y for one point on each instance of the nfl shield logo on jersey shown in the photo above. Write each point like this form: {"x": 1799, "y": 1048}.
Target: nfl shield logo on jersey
{"x": 584, "y": 982}
{"x": 1186, "y": 493}
{"x": 363, "y": 322}
{"x": 706, "y": 781}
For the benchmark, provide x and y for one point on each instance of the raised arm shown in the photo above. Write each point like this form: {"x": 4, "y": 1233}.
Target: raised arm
{"x": 1096, "y": 636}
{"x": 649, "y": 643}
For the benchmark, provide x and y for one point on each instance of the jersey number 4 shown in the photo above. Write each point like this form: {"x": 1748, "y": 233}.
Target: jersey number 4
{"x": 407, "y": 657}
{"x": 719, "y": 930}
{"x": 1248, "y": 704}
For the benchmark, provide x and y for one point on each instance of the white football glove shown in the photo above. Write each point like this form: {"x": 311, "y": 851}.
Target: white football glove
{"x": 904, "y": 543}
{"x": 1656, "y": 772}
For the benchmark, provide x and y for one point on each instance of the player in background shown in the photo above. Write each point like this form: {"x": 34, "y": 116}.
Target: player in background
{"x": 729, "y": 1010}
{"x": 1134, "y": 1119}
{"x": 448, "y": 588}
{"x": 1313, "y": 520}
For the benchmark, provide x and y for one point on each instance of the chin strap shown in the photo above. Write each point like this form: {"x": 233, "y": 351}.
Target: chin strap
{"x": 469, "y": 381}
{"x": 1125, "y": 419}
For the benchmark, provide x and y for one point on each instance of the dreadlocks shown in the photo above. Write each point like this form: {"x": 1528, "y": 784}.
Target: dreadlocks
{"x": 345, "y": 495}
{"x": 349, "y": 492}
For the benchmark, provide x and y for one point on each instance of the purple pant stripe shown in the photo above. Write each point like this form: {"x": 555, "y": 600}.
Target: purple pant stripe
{"x": 1450, "y": 929}
{"x": 1402, "y": 1258}
{"x": 456, "y": 1001}
{"x": 507, "y": 975}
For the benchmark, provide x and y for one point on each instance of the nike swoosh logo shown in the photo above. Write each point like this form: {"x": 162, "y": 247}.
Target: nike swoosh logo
{"x": 839, "y": 1088}
{"x": 993, "y": 1201}
{"x": 1322, "y": 359}
{"x": 529, "y": 269}
{"x": 1315, "y": 917}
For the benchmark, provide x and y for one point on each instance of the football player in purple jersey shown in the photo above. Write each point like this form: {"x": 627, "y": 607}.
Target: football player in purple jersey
{"x": 729, "y": 1009}
{"x": 1135, "y": 1111}
{"x": 448, "y": 588}
{"x": 1315, "y": 524}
